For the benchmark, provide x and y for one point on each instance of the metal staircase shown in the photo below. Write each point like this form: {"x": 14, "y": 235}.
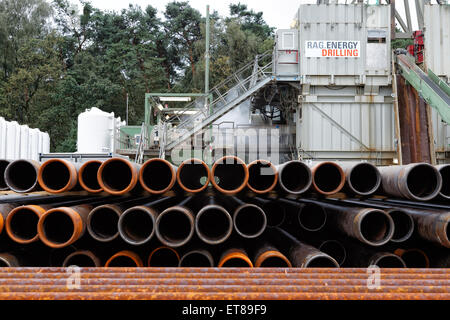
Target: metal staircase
{"x": 226, "y": 96}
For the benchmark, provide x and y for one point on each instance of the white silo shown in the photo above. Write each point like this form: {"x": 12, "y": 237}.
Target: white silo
{"x": 96, "y": 131}
{"x": 34, "y": 144}
{"x": 3, "y": 124}
{"x": 12, "y": 140}
{"x": 24, "y": 142}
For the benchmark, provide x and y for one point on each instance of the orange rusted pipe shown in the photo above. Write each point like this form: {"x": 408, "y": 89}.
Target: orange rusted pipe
{"x": 235, "y": 258}
{"x": 158, "y": 176}
{"x": 270, "y": 257}
{"x": 163, "y": 257}
{"x": 5, "y": 209}
{"x": 124, "y": 259}
{"x": 328, "y": 178}
{"x": 231, "y": 174}
{"x": 413, "y": 258}
{"x": 87, "y": 176}
{"x": 193, "y": 176}
{"x": 82, "y": 259}
{"x": 118, "y": 176}
{"x": 21, "y": 223}
{"x": 22, "y": 176}
{"x": 58, "y": 176}
{"x": 61, "y": 227}
{"x": 263, "y": 176}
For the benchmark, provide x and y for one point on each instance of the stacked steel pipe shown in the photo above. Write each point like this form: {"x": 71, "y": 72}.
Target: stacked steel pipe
{"x": 295, "y": 215}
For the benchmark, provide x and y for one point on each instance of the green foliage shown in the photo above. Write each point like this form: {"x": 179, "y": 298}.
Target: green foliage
{"x": 58, "y": 59}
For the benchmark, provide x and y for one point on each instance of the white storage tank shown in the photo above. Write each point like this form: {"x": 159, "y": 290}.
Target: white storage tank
{"x": 34, "y": 144}
{"x": 45, "y": 143}
{"x": 2, "y": 138}
{"x": 12, "y": 140}
{"x": 24, "y": 142}
{"x": 96, "y": 131}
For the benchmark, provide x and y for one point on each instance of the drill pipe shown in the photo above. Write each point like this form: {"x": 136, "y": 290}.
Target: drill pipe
{"x": 87, "y": 176}
{"x": 370, "y": 226}
{"x": 193, "y": 176}
{"x": 231, "y": 174}
{"x": 3, "y": 165}
{"x": 123, "y": 259}
{"x": 197, "y": 259}
{"x": 328, "y": 178}
{"x": 417, "y": 181}
{"x": 58, "y": 176}
{"x": 118, "y": 176}
{"x": 414, "y": 258}
{"x": 164, "y": 257}
{"x": 361, "y": 178}
{"x": 403, "y": 222}
{"x": 82, "y": 259}
{"x": 334, "y": 249}
{"x": 5, "y": 209}
{"x": 213, "y": 223}
{"x": 60, "y": 227}
{"x": 444, "y": 170}
{"x": 263, "y": 176}
{"x": 294, "y": 177}
{"x": 102, "y": 221}
{"x": 309, "y": 216}
{"x": 235, "y": 258}
{"x": 432, "y": 225}
{"x": 158, "y": 176}
{"x": 363, "y": 256}
{"x": 8, "y": 260}
{"x": 137, "y": 224}
{"x": 249, "y": 220}
{"x": 175, "y": 226}
{"x": 21, "y": 176}
{"x": 269, "y": 257}
{"x": 275, "y": 214}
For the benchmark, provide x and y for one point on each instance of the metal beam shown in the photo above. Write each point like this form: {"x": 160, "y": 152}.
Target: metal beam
{"x": 408, "y": 15}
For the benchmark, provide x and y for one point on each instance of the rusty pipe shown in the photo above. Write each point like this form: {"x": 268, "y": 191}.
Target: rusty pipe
{"x": 197, "y": 259}
{"x": 87, "y": 176}
{"x": 8, "y": 260}
{"x": 21, "y": 223}
{"x": 334, "y": 249}
{"x": 118, "y": 176}
{"x": 270, "y": 257}
{"x": 158, "y": 176}
{"x": 5, "y": 209}
{"x": 263, "y": 176}
{"x": 294, "y": 177}
{"x": 22, "y": 176}
{"x": 58, "y": 176}
{"x": 275, "y": 214}
{"x": 361, "y": 178}
{"x": 414, "y": 258}
{"x": 235, "y": 258}
{"x": 193, "y": 176}
{"x": 309, "y": 215}
{"x": 82, "y": 259}
{"x": 124, "y": 259}
{"x": 175, "y": 226}
{"x": 61, "y": 227}
{"x": 328, "y": 178}
{"x": 3, "y": 164}
{"x": 444, "y": 170}
{"x": 213, "y": 223}
{"x": 164, "y": 257}
{"x": 229, "y": 175}
{"x": 370, "y": 226}
{"x": 417, "y": 181}
{"x": 386, "y": 260}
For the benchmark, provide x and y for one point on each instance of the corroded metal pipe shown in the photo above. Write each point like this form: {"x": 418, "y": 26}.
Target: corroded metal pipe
{"x": 3, "y": 164}
{"x": 5, "y": 209}
{"x": 328, "y": 178}
{"x": 158, "y": 176}
{"x": 87, "y": 176}
{"x": 164, "y": 257}
{"x": 197, "y": 259}
{"x": 124, "y": 259}
{"x": 82, "y": 259}
{"x": 414, "y": 258}
{"x": 8, "y": 260}
{"x": 22, "y": 176}
{"x": 305, "y": 256}
{"x": 193, "y": 176}
{"x": 213, "y": 223}
{"x": 269, "y": 257}
{"x": 362, "y": 256}
{"x": 58, "y": 175}
{"x": 102, "y": 222}
{"x": 175, "y": 226}
{"x": 118, "y": 176}
{"x": 309, "y": 215}
{"x": 235, "y": 258}
{"x": 444, "y": 170}
{"x": 61, "y": 227}
{"x": 334, "y": 249}
{"x": 417, "y": 181}
{"x": 263, "y": 176}
{"x": 361, "y": 178}
{"x": 275, "y": 214}
{"x": 294, "y": 177}
{"x": 21, "y": 223}
{"x": 229, "y": 175}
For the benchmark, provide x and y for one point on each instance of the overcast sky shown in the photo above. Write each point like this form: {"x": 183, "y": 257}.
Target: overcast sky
{"x": 278, "y": 13}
